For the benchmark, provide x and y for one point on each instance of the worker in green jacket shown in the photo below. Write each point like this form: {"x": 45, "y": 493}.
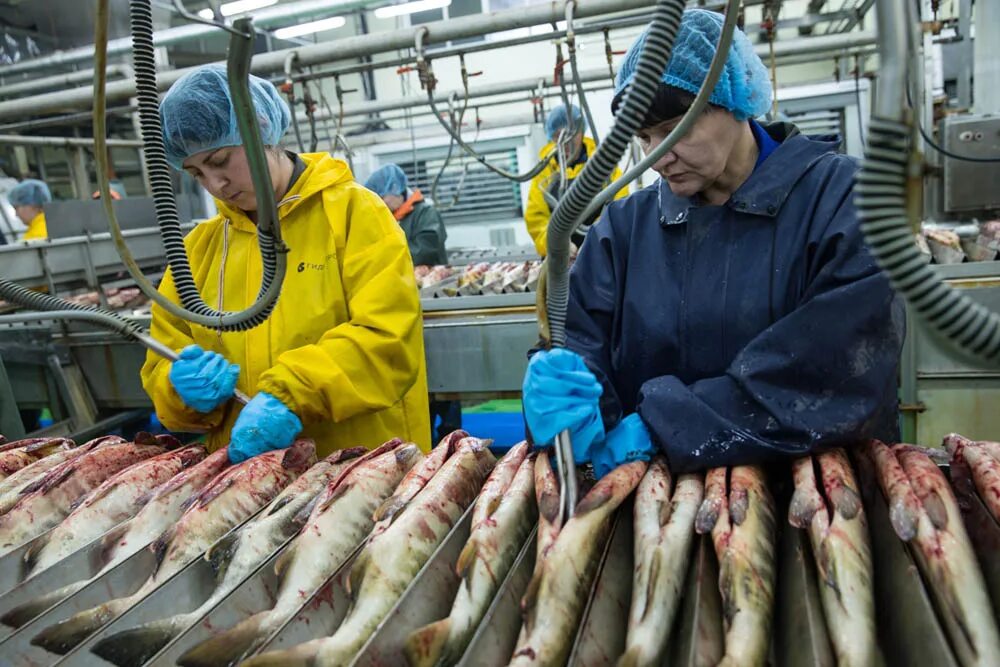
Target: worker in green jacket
{"x": 420, "y": 221}
{"x": 425, "y": 235}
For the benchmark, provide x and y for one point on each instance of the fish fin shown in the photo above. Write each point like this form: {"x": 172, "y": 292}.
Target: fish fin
{"x": 492, "y": 505}
{"x": 230, "y": 646}
{"x": 28, "y": 611}
{"x": 631, "y": 658}
{"x": 846, "y": 501}
{"x": 66, "y": 635}
{"x": 284, "y": 560}
{"x": 220, "y": 553}
{"x": 137, "y": 645}
{"x": 145, "y": 438}
{"x": 109, "y": 543}
{"x": 296, "y": 457}
{"x": 332, "y": 496}
{"x": 936, "y": 509}
{"x": 303, "y": 655}
{"x": 47, "y": 482}
{"x": 595, "y": 498}
{"x": 31, "y": 555}
{"x": 210, "y": 493}
{"x": 654, "y": 575}
{"x": 529, "y": 599}
{"x": 424, "y": 646}
{"x": 467, "y": 557}
{"x": 357, "y": 574}
{"x": 708, "y": 515}
{"x": 159, "y": 547}
{"x": 903, "y": 520}
{"x": 281, "y": 502}
{"x": 302, "y": 517}
{"x": 389, "y": 509}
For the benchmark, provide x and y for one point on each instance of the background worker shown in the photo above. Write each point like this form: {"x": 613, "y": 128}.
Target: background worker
{"x": 425, "y": 235}
{"x": 28, "y": 197}
{"x": 341, "y": 358}
{"x": 731, "y": 312}
{"x": 565, "y": 130}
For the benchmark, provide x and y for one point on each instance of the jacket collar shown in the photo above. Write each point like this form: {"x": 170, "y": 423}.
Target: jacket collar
{"x": 321, "y": 171}
{"x": 769, "y": 185}
{"x": 407, "y": 207}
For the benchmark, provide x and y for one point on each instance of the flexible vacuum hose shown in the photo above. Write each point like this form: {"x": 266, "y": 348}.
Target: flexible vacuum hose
{"x": 662, "y": 31}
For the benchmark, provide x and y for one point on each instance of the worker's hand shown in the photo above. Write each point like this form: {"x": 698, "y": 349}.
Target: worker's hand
{"x": 264, "y": 424}
{"x": 203, "y": 380}
{"x": 629, "y": 441}
{"x": 561, "y": 393}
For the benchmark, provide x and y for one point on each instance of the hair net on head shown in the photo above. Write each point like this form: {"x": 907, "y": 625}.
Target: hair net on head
{"x": 388, "y": 179}
{"x": 29, "y": 192}
{"x": 743, "y": 87}
{"x": 558, "y": 119}
{"x": 197, "y": 114}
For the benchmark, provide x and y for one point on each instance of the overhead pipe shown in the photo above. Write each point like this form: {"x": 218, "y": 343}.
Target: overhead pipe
{"x": 64, "y": 142}
{"x": 350, "y": 47}
{"x": 186, "y": 33}
{"x": 60, "y": 80}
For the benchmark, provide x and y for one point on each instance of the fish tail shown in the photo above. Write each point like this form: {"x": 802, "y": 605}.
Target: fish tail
{"x": 425, "y": 645}
{"x": 64, "y": 636}
{"x": 28, "y": 611}
{"x": 137, "y": 645}
{"x": 228, "y": 647}
{"x": 303, "y": 655}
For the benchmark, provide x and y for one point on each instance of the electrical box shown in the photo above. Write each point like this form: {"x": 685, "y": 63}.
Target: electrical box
{"x": 971, "y": 187}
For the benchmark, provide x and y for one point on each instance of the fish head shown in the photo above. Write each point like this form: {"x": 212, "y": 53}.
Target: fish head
{"x": 408, "y": 455}
{"x": 299, "y": 457}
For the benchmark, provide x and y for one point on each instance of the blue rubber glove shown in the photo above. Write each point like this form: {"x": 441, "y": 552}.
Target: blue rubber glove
{"x": 561, "y": 393}
{"x": 264, "y": 424}
{"x": 629, "y": 441}
{"x": 203, "y": 380}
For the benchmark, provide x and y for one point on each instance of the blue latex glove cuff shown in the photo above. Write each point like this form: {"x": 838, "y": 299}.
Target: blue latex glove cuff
{"x": 204, "y": 380}
{"x": 629, "y": 441}
{"x": 560, "y": 393}
{"x": 264, "y": 424}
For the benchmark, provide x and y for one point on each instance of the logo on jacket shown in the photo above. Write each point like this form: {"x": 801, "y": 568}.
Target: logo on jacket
{"x": 314, "y": 266}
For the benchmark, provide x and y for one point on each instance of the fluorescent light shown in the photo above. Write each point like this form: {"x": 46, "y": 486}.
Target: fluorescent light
{"x": 237, "y": 7}
{"x": 410, "y": 8}
{"x": 331, "y": 23}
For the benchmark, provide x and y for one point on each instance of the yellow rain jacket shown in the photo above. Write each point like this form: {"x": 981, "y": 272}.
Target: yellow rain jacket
{"x": 537, "y": 212}
{"x": 37, "y": 229}
{"x": 343, "y": 348}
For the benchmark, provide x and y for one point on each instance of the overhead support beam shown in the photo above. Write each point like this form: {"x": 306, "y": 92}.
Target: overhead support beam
{"x": 814, "y": 8}
{"x": 351, "y": 47}
{"x": 858, "y": 15}
{"x": 64, "y": 142}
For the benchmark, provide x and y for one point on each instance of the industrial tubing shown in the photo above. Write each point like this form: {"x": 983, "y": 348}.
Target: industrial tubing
{"x": 888, "y": 203}
{"x": 272, "y": 250}
{"x": 571, "y": 48}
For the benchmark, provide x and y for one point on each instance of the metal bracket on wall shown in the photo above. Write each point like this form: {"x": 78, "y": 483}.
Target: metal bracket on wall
{"x": 912, "y": 407}
{"x": 74, "y": 392}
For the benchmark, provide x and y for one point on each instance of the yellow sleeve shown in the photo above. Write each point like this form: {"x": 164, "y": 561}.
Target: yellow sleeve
{"x": 615, "y": 175}
{"x": 175, "y": 333}
{"x": 369, "y": 362}
{"x": 536, "y": 214}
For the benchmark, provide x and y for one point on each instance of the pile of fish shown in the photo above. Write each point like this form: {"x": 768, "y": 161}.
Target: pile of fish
{"x": 478, "y": 279}
{"x": 390, "y": 557}
{"x": 976, "y": 242}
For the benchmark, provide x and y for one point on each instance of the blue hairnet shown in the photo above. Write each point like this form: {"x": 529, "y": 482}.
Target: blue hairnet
{"x": 388, "y": 179}
{"x": 743, "y": 88}
{"x": 197, "y": 114}
{"x": 29, "y": 192}
{"x": 558, "y": 119}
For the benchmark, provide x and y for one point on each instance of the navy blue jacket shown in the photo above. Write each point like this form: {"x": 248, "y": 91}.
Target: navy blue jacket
{"x": 745, "y": 332}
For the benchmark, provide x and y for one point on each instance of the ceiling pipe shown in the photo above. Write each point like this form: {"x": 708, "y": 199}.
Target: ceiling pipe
{"x": 70, "y": 79}
{"x": 332, "y": 51}
{"x": 64, "y": 142}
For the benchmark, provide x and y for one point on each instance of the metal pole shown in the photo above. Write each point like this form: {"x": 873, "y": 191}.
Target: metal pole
{"x": 64, "y": 142}
{"x": 986, "y": 96}
{"x": 59, "y": 80}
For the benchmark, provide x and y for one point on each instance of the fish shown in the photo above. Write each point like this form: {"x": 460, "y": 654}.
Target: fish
{"x": 743, "y": 530}
{"x": 232, "y": 497}
{"x": 47, "y": 501}
{"x": 984, "y": 469}
{"x": 838, "y": 532}
{"x": 664, "y": 541}
{"x": 160, "y": 509}
{"x": 14, "y": 485}
{"x": 393, "y": 557}
{"x": 334, "y": 527}
{"x": 233, "y": 558}
{"x": 550, "y": 519}
{"x": 948, "y": 563}
{"x": 20, "y": 454}
{"x": 904, "y": 506}
{"x": 502, "y": 518}
{"x": 114, "y": 501}
{"x": 557, "y": 593}
{"x": 416, "y": 479}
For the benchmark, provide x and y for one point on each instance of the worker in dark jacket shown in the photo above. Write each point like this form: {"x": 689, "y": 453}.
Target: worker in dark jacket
{"x": 420, "y": 221}
{"x": 729, "y": 313}
{"x": 425, "y": 235}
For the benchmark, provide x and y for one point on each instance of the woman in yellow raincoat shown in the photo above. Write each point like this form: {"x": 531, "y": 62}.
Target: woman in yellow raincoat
{"x": 341, "y": 358}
